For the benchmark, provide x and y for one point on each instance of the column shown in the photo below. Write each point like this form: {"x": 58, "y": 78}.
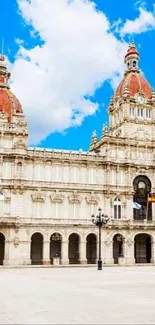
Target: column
{"x": 6, "y": 253}
{"x": 64, "y": 252}
{"x": 129, "y": 251}
{"x": 152, "y": 251}
{"x": 46, "y": 252}
{"x": 83, "y": 259}
{"x": 108, "y": 252}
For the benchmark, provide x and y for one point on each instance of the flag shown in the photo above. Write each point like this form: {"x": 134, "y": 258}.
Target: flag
{"x": 136, "y": 206}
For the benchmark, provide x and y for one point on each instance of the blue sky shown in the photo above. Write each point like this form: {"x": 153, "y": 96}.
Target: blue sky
{"x": 33, "y": 44}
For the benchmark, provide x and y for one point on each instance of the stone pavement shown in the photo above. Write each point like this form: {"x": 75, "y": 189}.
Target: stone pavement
{"x": 120, "y": 295}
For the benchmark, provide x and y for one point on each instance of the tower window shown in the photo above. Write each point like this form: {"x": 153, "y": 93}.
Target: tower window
{"x": 141, "y": 112}
{"x": 117, "y": 208}
{"x": 134, "y": 64}
{"x": 132, "y": 111}
{"x": 138, "y": 112}
{"x": 148, "y": 113}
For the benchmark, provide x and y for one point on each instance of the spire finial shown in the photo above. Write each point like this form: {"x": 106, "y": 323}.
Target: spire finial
{"x": 93, "y": 138}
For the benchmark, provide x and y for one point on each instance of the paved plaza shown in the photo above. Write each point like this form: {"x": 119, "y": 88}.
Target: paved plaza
{"x": 115, "y": 295}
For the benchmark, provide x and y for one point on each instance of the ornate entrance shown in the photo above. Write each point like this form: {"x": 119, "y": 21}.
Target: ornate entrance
{"x": 91, "y": 248}
{"x": 142, "y": 190}
{"x": 118, "y": 242}
{"x": 142, "y": 248}
{"x": 55, "y": 246}
{"x": 74, "y": 249}
{"x": 37, "y": 248}
{"x": 2, "y": 247}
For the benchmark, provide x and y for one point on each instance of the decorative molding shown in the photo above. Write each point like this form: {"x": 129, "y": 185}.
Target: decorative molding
{"x": 20, "y": 144}
{"x": 18, "y": 188}
{"x": 57, "y": 198}
{"x": 38, "y": 197}
{"x": 140, "y": 134}
{"x": 108, "y": 242}
{"x": 16, "y": 241}
{"x": 75, "y": 198}
{"x": 92, "y": 199}
{"x": 129, "y": 242}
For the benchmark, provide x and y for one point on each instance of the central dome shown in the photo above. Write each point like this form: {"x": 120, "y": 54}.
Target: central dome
{"x": 135, "y": 83}
{"x": 133, "y": 80}
{"x": 9, "y": 104}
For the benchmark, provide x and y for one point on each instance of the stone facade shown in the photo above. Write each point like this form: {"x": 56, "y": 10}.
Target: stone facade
{"x": 47, "y": 197}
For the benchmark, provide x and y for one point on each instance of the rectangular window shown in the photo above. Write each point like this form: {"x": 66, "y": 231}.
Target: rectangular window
{"x": 115, "y": 211}
{"x": 148, "y": 113}
{"x": 138, "y": 112}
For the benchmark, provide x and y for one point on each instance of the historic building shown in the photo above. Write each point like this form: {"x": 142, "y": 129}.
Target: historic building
{"x": 47, "y": 197}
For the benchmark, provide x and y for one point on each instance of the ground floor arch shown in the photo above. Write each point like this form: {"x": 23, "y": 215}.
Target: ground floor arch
{"x": 55, "y": 246}
{"x": 73, "y": 252}
{"x": 91, "y": 248}
{"x": 142, "y": 248}
{"x": 37, "y": 248}
{"x": 118, "y": 242}
{"x": 2, "y": 248}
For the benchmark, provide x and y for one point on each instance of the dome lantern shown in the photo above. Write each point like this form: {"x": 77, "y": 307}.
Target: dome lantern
{"x": 132, "y": 58}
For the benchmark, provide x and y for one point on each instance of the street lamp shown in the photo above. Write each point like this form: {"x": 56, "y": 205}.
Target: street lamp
{"x": 100, "y": 220}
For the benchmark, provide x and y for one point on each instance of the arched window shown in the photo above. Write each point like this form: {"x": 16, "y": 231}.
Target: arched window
{"x": 117, "y": 208}
{"x": 19, "y": 170}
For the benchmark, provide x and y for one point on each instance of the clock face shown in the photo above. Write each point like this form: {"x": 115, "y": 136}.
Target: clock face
{"x": 140, "y": 99}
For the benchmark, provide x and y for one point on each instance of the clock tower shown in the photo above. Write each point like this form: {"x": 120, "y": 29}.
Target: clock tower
{"x": 132, "y": 108}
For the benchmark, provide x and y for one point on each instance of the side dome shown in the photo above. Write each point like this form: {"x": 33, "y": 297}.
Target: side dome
{"x": 9, "y": 104}
{"x": 133, "y": 80}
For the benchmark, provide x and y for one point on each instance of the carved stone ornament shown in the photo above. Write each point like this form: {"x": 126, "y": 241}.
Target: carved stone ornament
{"x": 38, "y": 197}
{"x": 18, "y": 188}
{"x": 75, "y": 198}
{"x": 108, "y": 242}
{"x": 16, "y": 241}
{"x": 92, "y": 199}
{"x": 57, "y": 198}
{"x": 129, "y": 242}
{"x": 140, "y": 134}
{"x": 20, "y": 144}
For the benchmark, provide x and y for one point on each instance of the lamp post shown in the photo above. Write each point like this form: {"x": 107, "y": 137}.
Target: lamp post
{"x": 100, "y": 220}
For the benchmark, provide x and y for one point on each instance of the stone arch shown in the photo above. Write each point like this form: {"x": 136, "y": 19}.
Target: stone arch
{"x": 91, "y": 248}
{"x": 118, "y": 247}
{"x": 37, "y": 248}
{"x": 142, "y": 190}
{"x": 2, "y": 247}
{"x": 55, "y": 245}
{"x": 74, "y": 246}
{"x": 143, "y": 247}
{"x": 37, "y": 231}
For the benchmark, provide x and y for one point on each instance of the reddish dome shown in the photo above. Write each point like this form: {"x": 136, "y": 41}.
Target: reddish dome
{"x": 8, "y": 101}
{"x": 134, "y": 82}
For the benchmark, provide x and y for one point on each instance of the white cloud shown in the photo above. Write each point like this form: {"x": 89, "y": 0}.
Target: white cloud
{"x": 145, "y": 22}
{"x": 79, "y": 53}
